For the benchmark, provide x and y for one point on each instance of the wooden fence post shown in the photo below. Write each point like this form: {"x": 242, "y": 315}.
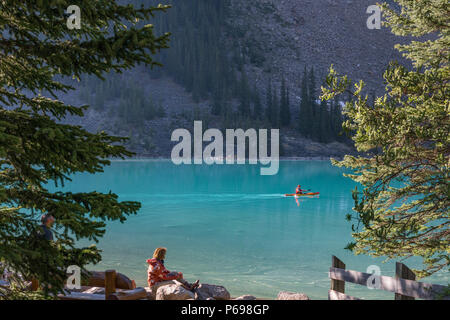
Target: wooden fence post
{"x": 34, "y": 284}
{"x": 403, "y": 272}
{"x": 337, "y": 285}
{"x": 110, "y": 283}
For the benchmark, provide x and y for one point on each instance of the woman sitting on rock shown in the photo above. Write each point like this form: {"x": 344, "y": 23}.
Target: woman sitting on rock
{"x": 158, "y": 273}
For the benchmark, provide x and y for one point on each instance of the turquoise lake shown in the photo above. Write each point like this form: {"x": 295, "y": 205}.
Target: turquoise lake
{"x": 228, "y": 225}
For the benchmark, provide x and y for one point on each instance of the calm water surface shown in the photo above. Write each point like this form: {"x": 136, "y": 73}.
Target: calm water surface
{"x": 229, "y": 225}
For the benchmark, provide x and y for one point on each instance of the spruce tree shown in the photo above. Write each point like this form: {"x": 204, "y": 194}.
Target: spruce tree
{"x": 269, "y": 102}
{"x": 324, "y": 122}
{"x": 198, "y": 59}
{"x": 314, "y": 110}
{"x": 288, "y": 104}
{"x": 312, "y": 89}
{"x": 285, "y": 114}
{"x": 244, "y": 97}
{"x": 404, "y": 141}
{"x": 275, "y": 120}
{"x": 305, "y": 116}
{"x": 337, "y": 121}
{"x": 257, "y": 106}
{"x": 37, "y": 151}
{"x": 217, "y": 106}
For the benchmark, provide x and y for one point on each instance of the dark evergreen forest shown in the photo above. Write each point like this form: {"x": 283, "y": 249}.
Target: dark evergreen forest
{"x": 206, "y": 58}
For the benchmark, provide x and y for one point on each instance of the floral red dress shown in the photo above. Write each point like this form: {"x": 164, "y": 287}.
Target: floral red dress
{"x": 157, "y": 272}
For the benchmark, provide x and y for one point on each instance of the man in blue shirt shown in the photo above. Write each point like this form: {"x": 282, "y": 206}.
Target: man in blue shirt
{"x": 47, "y": 222}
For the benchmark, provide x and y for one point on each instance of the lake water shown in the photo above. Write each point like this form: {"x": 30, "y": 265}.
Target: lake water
{"x": 229, "y": 225}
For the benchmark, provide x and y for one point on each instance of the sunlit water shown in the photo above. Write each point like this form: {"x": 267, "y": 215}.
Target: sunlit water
{"x": 229, "y": 225}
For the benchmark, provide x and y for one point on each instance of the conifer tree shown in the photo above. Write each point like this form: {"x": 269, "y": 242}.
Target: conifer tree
{"x": 244, "y": 96}
{"x": 285, "y": 114}
{"x": 337, "y": 120}
{"x": 305, "y": 116}
{"x": 403, "y": 209}
{"x": 288, "y": 104}
{"x": 312, "y": 90}
{"x": 275, "y": 120}
{"x": 324, "y": 122}
{"x": 315, "y": 114}
{"x": 257, "y": 106}
{"x": 37, "y": 151}
{"x": 217, "y": 103}
{"x": 269, "y": 102}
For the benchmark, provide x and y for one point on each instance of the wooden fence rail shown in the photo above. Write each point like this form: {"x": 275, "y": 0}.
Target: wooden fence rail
{"x": 403, "y": 285}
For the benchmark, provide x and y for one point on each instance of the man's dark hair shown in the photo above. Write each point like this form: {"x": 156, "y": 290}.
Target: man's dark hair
{"x": 45, "y": 217}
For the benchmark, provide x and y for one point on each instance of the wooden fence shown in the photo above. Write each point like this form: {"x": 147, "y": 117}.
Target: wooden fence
{"x": 403, "y": 285}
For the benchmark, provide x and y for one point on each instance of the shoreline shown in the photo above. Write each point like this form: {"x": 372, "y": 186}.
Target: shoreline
{"x": 280, "y": 159}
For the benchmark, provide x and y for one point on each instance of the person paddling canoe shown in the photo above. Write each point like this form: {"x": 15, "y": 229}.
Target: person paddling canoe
{"x": 299, "y": 190}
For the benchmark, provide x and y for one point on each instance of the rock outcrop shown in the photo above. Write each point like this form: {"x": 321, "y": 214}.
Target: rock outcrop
{"x": 285, "y": 295}
{"x": 151, "y": 292}
{"x": 173, "y": 292}
{"x": 205, "y": 291}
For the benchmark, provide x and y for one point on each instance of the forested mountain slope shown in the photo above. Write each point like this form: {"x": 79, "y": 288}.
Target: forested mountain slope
{"x": 242, "y": 64}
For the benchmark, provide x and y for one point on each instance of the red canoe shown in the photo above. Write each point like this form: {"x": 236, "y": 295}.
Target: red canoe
{"x": 302, "y": 194}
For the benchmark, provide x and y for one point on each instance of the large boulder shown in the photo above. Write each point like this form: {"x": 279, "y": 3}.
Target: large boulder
{"x": 205, "y": 291}
{"x": 151, "y": 291}
{"x": 285, "y": 295}
{"x": 173, "y": 292}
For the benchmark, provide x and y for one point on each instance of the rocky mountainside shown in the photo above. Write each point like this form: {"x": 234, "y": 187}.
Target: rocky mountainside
{"x": 289, "y": 35}
{"x": 279, "y": 39}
